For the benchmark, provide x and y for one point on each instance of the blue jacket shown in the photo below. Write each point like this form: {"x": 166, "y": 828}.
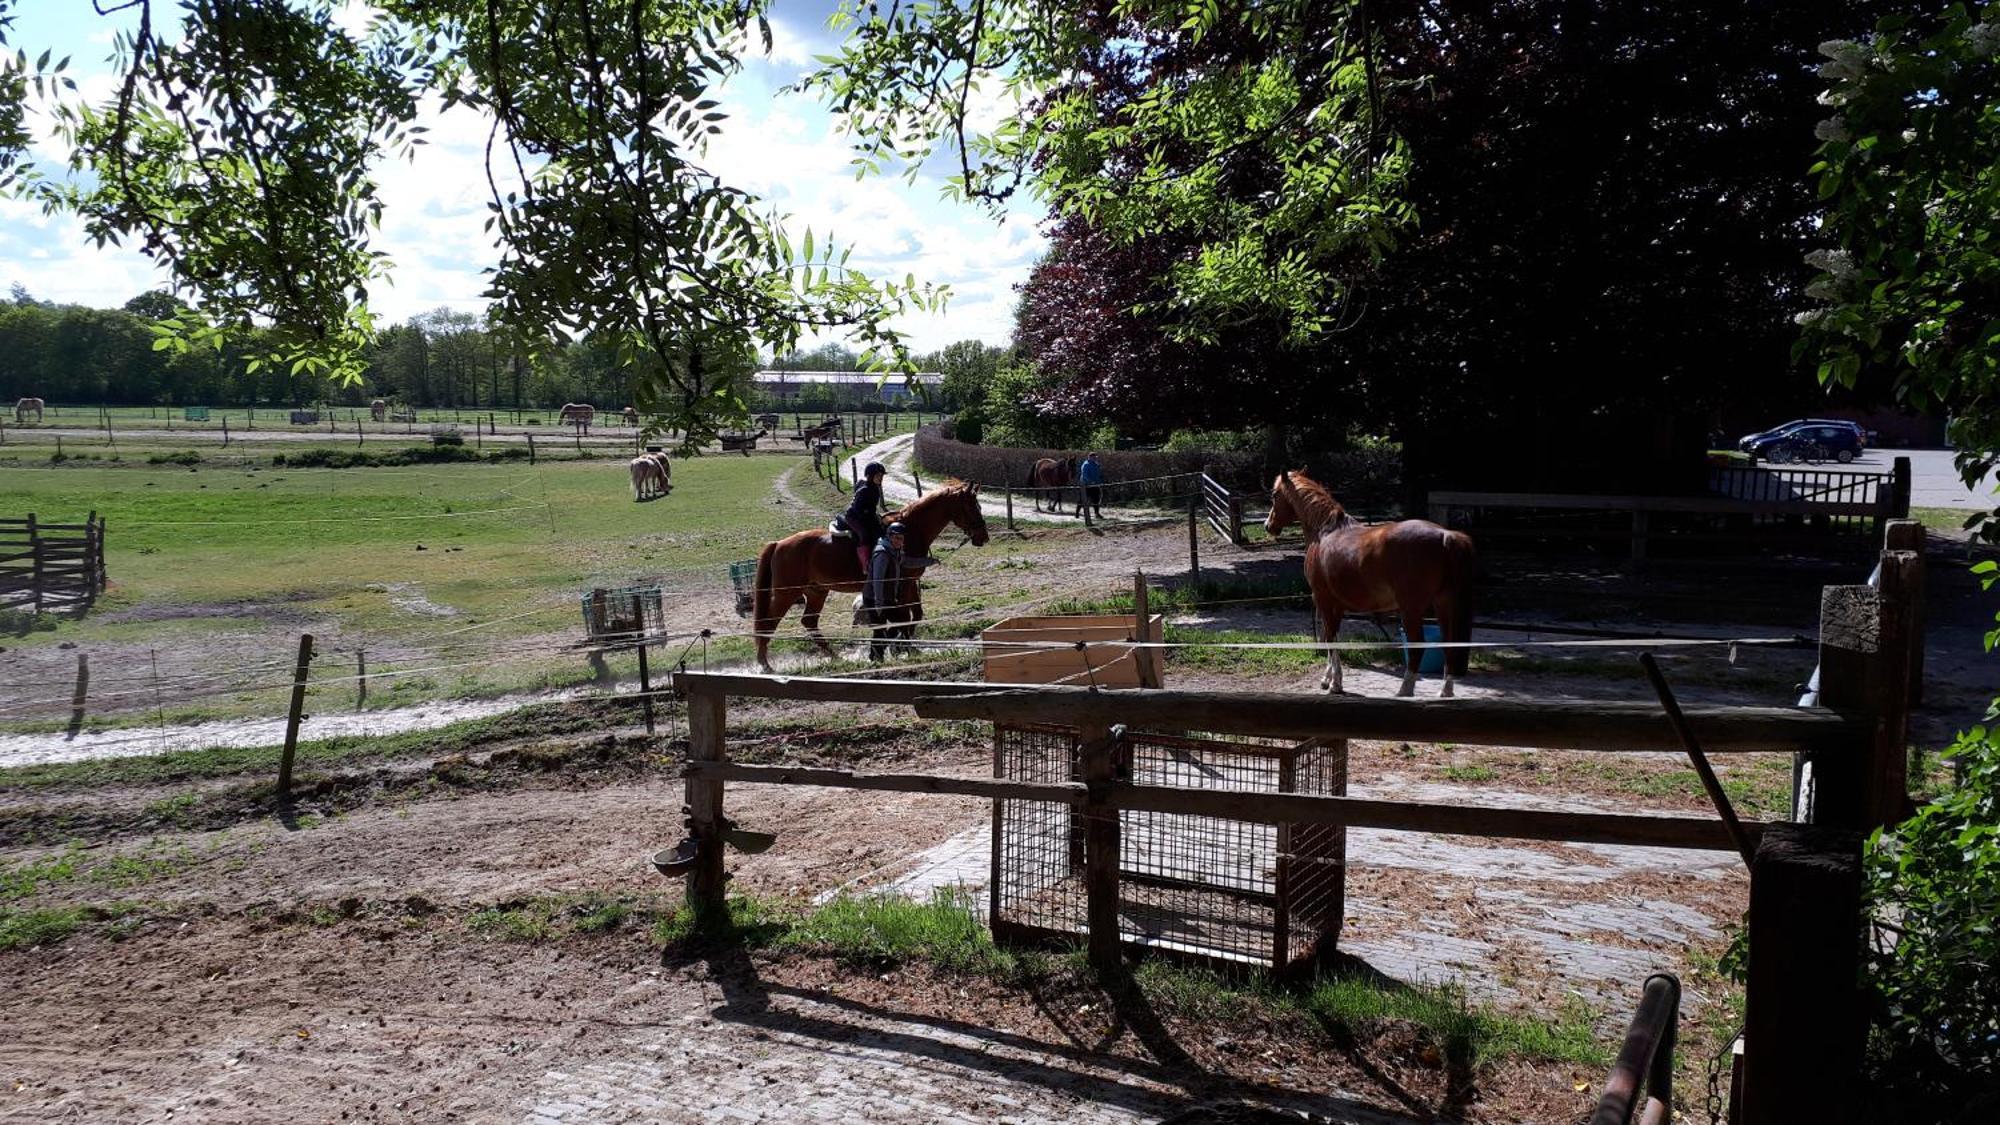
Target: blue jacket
{"x": 1089, "y": 474}
{"x": 885, "y": 571}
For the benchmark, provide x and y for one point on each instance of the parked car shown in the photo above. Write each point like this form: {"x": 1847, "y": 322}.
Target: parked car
{"x": 1842, "y": 441}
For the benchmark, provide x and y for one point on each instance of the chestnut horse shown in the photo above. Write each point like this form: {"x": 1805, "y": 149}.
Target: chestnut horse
{"x": 808, "y": 566}
{"x": 1410, "y": 566}
{"x": 1051, "y": 473}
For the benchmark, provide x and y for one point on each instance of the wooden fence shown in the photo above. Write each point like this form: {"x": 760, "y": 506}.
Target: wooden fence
{"x": 1745, "y": 506}
{"x": 1804, "y": 1011}
{"x": 51, "y": 566}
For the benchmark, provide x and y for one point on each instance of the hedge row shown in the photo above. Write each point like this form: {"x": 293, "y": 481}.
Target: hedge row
{"x": 1128, "y": 473}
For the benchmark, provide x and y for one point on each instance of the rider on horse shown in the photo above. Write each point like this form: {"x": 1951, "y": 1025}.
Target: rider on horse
{"x": 863, "y": 516}
{"x": 885, "y": 571}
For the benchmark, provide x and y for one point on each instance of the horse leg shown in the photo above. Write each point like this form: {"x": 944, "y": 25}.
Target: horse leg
{"x": 1328, "y": 618}
{"x": 815, "y": 598}
{"x": 1446, "y": 617}
{"x": 1413, "y": 648}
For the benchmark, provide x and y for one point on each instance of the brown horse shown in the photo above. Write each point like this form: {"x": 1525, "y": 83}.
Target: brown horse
{"x": 1051, "y": 473}
{"x": 1410, "y": 566}
{"x": 808, "y": 566}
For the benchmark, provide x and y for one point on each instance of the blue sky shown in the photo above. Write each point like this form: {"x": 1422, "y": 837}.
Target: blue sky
{"x": 783, "y": 148}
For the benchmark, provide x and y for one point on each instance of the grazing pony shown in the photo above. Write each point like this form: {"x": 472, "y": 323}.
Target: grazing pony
{"x": 577, "y": 414}
{"x": 1049, "y": 473}
{"x": 808, "y": 566}
{"x": 630, "y": 416}
{"x": 378, "y": 409}
{"x": 22, "y": 408}
{"x": 652, "y": 476}
{"x": 1410, "y": 566}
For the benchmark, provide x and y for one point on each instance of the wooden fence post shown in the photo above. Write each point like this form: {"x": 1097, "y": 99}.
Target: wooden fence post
{"x": 1098, "y": 746}
{"x": 1147, "y": 659}
{"x": 1010, "y": 507}
{"x": 82, "y": 692}
{"x": 708, "y": 717}
{"x": 1806, "y": 1025}
{"x": 1909, "y": 535}
{"x": 531, "y": 446}
{"x": 1864, "y": 665}
{"x": 296, "y": 713}
{"x": 38, "y": 564}
{"x": 360, "y": 679}
{"x": 1194, "y": 537}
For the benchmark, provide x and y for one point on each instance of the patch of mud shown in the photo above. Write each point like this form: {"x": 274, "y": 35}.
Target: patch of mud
{"x": 410, "y": 598}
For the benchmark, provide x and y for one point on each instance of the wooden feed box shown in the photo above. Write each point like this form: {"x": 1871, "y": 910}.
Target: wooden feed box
{"x": 1109, "y": 665}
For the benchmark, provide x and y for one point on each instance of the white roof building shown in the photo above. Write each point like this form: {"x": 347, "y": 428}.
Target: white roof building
{"x": 847, "y": 386}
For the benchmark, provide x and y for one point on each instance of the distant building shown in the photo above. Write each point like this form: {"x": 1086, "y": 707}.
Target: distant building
{"x": 847, "y": 387}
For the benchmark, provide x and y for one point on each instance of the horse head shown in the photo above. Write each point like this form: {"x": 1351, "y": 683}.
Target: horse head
{"x": 966, "y": 512}
{"x": 1284, "y": 505}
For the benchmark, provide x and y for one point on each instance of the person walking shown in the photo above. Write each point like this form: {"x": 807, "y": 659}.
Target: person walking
{"x": 1091, "y": 476}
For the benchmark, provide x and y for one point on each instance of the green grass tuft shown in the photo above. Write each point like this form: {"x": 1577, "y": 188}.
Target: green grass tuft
{"x": 886, "y": 930}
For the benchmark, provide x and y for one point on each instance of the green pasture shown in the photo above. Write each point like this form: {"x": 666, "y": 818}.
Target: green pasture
{"x": 209, "y": 558}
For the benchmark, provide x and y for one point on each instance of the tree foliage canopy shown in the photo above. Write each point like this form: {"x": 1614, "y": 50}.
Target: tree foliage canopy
{"x": 237, "y": 152}
{"x": 1910, "y": 172}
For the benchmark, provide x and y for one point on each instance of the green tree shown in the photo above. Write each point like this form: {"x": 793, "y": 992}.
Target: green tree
{"x": 1910, "y": 172}
{"x": 237, "y": 150}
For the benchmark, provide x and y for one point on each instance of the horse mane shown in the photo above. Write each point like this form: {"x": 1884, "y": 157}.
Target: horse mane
{"x": 1318, "y": 510}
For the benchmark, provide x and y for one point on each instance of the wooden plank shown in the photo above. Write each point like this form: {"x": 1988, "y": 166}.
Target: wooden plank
{"x": 1420, "y": 816}
{"x": 1270, "y": 808}
{"x": 1062, "y": 792}
{"x": 1696, "y": 504}
{"x": 1478, "y": 722}
{"x": 821, "y": 688}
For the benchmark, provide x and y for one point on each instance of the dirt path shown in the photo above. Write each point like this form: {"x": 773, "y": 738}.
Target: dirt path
{"x": 900, "y": 487}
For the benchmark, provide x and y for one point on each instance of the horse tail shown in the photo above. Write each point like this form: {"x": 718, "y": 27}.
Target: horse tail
{"x": 762, "y": 611}
{"x": 1032, "y": 473}
{"x": 1461, "y": 566}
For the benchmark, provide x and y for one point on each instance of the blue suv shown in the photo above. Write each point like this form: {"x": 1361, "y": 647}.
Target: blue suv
{"x": 1841, "y": 441}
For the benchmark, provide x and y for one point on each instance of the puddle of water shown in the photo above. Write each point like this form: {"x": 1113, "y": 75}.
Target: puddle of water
{"x": 133, "y": 742}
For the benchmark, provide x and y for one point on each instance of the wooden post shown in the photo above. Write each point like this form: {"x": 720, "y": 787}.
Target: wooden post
{"x": 82, "y": 692}
{"x": 1194, "y": 538}
{"x": 531, "y": 447}
{"x": 358, "y": 438}
{"x": 360, "y": 679}
{"x": 1147, "y": 659}
{"x": 296, "y": 713}
{"x": 1010, "y": 507}
{"x": 35, "y": 549}
{"x": 225, "y": 430}
{"x": 1900, "y": 503}
{"x": 1098, "y": 747}
{"x": 1806, "y": 1025}
{"x": 708, "y": 718}
{"x": 1909, "y": 535}
{"x": 59, "y": 451}
{"x": 646, "y": 688}
{"x": 1863, "y": 665}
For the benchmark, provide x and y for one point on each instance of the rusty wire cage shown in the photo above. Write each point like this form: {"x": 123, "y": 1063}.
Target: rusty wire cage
{"x": 1197, "y": 886}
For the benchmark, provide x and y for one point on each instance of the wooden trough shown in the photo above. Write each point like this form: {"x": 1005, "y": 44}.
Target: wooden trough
{"x": 1080, "y": 649}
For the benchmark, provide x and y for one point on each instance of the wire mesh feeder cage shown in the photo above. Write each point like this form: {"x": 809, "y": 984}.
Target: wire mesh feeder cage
{"x": 1208, "y": 888}
{"x": 743, "y": 577}
{"x": 624, "y": 612}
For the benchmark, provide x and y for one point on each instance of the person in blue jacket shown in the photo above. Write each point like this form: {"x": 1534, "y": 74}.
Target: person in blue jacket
{"x": 885, "y": 571}
{"x": 1091, "y": 476}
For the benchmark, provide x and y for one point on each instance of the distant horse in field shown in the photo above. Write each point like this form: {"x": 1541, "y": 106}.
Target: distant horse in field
{"x": 23, "y": 407}
{"x": 378, "y": 409}
{"x": 828, "y": 432}
{"x": 1050, "y": 473}
{"x": 652, "y": 476}
{"x": 577, "y": 414}
{"x": 767, "y": 421}
{"x": 810, "y": 565}
{"x": 630, "y": 416}
{"x": 1410, "y": 566}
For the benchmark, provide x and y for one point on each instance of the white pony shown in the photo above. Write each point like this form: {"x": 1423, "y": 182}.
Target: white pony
{"x": 22, "y": 408}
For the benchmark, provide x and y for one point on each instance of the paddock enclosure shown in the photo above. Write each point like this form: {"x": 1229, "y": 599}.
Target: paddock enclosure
{"x": 1213, "y": 825}
{"x": 51, "y": 566}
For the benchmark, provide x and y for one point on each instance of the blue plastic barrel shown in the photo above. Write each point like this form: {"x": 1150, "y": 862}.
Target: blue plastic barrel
{"x": 1433, "y": 658}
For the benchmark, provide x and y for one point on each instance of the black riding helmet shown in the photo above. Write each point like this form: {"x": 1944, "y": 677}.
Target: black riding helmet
{"x": 874, "y": 469}
{"x": 895, "y": 528}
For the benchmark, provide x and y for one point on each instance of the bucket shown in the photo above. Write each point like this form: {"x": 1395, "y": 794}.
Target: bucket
{"x": 1432, "y": 662}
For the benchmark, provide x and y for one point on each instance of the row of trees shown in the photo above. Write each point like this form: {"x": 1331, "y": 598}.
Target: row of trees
{"x": 72, "y": 353}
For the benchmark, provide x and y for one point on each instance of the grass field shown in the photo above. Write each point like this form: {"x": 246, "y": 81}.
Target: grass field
{"x": 230, "y": 558}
